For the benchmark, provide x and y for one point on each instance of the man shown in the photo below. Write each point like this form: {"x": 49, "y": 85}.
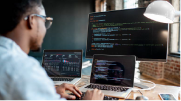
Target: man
{"x": 22, "y": 29}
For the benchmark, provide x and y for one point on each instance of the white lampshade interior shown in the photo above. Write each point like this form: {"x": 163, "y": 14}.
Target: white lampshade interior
{"x": 158, "y": 18}
{"x": 161, "y": 11}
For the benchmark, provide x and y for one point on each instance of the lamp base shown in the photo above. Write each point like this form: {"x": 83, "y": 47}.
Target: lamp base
{"x": 140, "y": 86}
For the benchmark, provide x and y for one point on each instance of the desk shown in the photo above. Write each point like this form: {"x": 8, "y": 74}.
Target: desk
{"x": 152, "y": 94}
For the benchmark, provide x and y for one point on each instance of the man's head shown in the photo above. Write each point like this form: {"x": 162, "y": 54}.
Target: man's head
{"x": 26, "y": 17}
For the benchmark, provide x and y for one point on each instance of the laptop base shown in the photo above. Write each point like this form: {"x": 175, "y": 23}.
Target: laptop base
{"x": 122, "y": 94}
{"x": 74, "y": 81}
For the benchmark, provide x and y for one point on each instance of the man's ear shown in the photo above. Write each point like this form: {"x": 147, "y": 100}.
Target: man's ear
{"x": 30, "y": 22}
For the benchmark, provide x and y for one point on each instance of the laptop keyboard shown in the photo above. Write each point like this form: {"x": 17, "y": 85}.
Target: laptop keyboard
{"x": 105, "y": 97}
{"x": 62, "y": 79}
{"x": 105, "y": 87}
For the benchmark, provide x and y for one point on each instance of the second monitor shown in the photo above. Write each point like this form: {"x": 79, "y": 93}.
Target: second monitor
{"x": 127, "y": 32}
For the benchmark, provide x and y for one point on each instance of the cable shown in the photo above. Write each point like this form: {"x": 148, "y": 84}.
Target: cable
{"x": 146, "y": 88}
{"x": 140, "y": 92}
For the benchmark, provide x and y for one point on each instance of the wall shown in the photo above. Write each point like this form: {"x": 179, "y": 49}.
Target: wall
{"x": 69, "y": 29}
{"x": 153, "y": 69}
{"x": 110, "y": 5}
{"x": 98, "y": 5}
{"x": 172, "y": 70}
{"x": 169, "y": 71}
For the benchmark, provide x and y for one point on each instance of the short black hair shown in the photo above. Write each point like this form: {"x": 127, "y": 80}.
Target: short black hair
{"x": 12, "y": 12}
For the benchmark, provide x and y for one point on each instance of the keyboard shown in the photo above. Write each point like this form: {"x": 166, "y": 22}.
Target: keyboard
{"x": 105, "y": 97}
{"x": 107, "y": 87}
{"x": 62, "y": 79}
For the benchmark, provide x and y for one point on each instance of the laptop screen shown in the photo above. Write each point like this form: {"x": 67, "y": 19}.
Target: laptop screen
{"x": 62, "y": 63}
{"x": 113, "y": 70}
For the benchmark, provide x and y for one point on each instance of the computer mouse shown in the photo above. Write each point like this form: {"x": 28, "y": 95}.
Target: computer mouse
{"x": 141, "y": 98}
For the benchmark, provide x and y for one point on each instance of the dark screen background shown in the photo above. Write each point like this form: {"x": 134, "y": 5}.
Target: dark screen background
{"x": 126, "y": 32}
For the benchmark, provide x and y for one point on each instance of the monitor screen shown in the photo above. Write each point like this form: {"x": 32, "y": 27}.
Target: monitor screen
{"x": 127, "y": 32}
{"x": 63, "y": 63}
{"x": 113, "y": 70}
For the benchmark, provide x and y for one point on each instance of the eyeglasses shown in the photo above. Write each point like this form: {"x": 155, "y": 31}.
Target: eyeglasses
{"x": 48, "y": 20}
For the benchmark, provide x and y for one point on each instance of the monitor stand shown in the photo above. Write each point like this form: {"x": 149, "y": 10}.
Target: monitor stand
{"x": 140, "y": 86}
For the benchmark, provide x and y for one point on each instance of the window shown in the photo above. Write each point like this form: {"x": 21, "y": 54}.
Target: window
{"x": 174, "y": 42}
{"x": 180, "y": 30}
{"x": 103, "y": 5}
{"x": 130, "y": 4}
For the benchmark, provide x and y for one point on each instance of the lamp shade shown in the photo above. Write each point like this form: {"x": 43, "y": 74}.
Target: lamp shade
{"x": 161, "y": 11}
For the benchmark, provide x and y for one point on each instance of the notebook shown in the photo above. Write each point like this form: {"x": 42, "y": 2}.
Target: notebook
{"x": 63, "y": 66}
{"x": 112, "y": 74}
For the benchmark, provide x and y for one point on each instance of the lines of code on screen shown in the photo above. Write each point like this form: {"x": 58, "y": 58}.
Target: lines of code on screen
{"x": 126, "y": 32}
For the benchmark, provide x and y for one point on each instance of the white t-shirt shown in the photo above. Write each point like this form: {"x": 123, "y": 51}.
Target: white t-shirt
{"x": 21, "y": 76}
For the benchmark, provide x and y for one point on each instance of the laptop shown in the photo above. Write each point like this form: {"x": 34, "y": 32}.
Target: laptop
{"x": 63, "y": 66}
{"x": 112, "y": 74}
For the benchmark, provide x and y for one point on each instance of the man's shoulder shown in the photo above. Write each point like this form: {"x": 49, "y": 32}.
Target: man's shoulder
{"x": 13, "y": 59}
{"x": 15, "y": 64}
{"x": 22, "y": 77}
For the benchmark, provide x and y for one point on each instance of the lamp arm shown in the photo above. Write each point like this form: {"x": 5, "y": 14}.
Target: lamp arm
{"x": 177, "y": 13}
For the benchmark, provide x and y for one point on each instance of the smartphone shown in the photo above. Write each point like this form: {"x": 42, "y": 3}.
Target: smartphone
{"x": 167, "y": 96}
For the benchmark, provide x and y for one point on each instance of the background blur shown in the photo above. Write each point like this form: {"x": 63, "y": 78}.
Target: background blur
{"x": 70, "y": 25}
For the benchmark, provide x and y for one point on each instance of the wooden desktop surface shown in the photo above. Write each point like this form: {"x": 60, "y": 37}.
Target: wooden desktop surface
{"x": 151, "y": 94}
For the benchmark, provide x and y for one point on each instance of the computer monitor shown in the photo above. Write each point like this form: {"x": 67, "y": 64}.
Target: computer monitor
{"x": 127, "y": 32}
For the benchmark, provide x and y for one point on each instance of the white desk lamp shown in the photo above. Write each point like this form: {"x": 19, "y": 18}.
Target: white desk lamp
{"x": 161, "y": 11}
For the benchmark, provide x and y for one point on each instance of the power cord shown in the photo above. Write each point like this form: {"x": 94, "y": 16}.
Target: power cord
{"x": 146, "y": 88}
{"x": 140, "y": 92}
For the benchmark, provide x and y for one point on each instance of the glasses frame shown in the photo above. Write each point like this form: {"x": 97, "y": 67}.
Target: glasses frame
{"x": 44, "y": 17}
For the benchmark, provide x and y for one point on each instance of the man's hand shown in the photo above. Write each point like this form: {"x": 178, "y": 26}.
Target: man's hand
{"x": 93, "y": 95}
{"x": 63, "y": 87}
